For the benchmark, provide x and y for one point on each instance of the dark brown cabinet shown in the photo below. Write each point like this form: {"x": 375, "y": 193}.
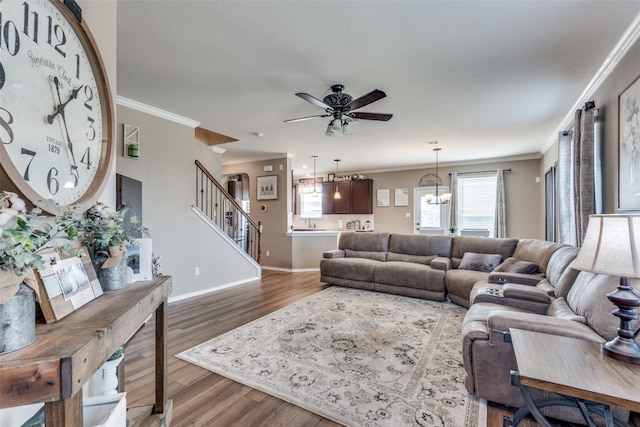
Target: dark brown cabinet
{"x": 356, "y": 197}
{"x": 362, "y": 196}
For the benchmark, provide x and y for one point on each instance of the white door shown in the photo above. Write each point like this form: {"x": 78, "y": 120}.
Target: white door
{"x": 429, "y": 219}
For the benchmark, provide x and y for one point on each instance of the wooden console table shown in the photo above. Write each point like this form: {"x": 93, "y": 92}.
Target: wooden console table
{"x": 68, "y": 352}
{"x": 577, "y": 371}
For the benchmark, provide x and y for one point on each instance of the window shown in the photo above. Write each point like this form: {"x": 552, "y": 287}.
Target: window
{"x": 310, "y": 202}
{"x": 551, "y": 211}
{"x": 476, "y": 200}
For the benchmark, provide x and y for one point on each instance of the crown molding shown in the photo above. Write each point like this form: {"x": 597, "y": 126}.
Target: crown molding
{"x": 154, "y": 111}
{"x": 628, "y": 39}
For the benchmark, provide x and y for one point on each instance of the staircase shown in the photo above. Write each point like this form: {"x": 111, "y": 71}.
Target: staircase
{"x": 222, "y": 209}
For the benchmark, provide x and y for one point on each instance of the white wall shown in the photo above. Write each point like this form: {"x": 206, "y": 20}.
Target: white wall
{"x": 166, "y": 168}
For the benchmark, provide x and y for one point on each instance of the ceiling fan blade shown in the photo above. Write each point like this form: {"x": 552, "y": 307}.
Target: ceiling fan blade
{"x": 367, "y": 99}
{"x": 315, "y": 101}
{"x": 307, "y": 118}
{"x": 370, "y": 116}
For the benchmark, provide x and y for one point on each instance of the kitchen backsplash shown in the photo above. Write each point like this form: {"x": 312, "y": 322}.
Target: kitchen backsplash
{"x": 335, "y": 222}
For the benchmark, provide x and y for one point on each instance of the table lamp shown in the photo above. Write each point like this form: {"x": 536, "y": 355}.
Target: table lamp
{"x": 612, "y": 246}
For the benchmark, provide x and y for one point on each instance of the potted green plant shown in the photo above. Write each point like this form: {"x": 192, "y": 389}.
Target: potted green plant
{"x": 24, "y": 237}
{"x": 106, "y": 235}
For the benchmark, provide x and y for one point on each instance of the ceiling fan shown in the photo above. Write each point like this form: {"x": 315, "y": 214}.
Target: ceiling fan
{"x": 340, "y": 106}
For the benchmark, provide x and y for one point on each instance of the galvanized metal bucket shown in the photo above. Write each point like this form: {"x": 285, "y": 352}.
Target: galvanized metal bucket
{"x": 113, "y": 278}
{"x": 18, "y": 320}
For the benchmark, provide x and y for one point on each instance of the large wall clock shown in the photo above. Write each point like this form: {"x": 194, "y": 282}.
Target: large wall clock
{"x": 56, "y": 114}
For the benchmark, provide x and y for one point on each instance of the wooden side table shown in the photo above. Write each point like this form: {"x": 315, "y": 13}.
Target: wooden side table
{"x": 577, "y": 371}
{"x": 66, "y": 353}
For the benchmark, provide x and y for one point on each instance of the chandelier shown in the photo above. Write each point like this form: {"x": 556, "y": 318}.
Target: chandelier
{"x": 437, "y": 199}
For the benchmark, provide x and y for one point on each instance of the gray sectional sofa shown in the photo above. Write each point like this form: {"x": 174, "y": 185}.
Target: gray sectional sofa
{"x": 506, "y": 283}
{"x": 430, "y": 266}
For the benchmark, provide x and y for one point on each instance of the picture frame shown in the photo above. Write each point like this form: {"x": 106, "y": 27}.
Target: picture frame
{"x": 401, "y": 197}
{"x": 629, "y": 148}
{"x": 383, "y": 196}
{"x": 267, "y": 187}
{"x": 139, "y": 259}
{"x": 331, "y": 177}
{"x": 66, "y": 283}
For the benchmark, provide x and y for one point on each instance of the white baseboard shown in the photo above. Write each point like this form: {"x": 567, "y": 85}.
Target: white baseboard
{"x": 209, "y": 290}
{"x": 290, "y": 270}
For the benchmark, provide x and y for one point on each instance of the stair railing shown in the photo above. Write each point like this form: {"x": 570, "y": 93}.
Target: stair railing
{"x": 221, "y": 208}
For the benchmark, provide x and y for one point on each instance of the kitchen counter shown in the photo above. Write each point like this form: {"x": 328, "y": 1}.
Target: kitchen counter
{"x": 320, "y": 231}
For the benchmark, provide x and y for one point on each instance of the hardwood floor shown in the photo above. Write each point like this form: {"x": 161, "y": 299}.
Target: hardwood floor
{"x": 203, "y": 398}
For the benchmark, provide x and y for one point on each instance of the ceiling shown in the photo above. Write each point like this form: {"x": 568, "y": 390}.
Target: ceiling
{"x": 486, "y": 79}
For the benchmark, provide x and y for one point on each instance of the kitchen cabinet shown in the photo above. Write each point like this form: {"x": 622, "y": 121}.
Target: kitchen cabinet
{"x": 356, "y": 197}
{"x": 362, "y": 196}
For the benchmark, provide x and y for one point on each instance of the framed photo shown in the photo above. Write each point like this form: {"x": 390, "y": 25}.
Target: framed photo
{"x": 629, "y": 148}
{"x": 139, "y": 259}
{"x": 66, "y": 284}
{"x": 267, "y": 187}
{"x": 331, "y": 177}
{"x": 402, "y": 197}
{"x": 383, "y": 197}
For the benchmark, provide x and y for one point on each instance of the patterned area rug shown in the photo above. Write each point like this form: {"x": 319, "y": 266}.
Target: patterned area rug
{"x": 359, "y": 358}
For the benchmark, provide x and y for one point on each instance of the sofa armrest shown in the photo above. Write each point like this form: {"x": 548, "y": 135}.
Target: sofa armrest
{"x": 500, "y": 322}
{"x": 522, "y": 279}
{"x": 441, "y": 263}
{"x": 525, "y": 292}
{"x": 334, "y": 253}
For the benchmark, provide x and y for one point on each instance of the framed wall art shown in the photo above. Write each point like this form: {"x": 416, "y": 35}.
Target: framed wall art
{"x": 66, "y": 284}
{"x": 267, "y": 187}
{"x": 629, "y": 148}
{"x": 139, "y": 259}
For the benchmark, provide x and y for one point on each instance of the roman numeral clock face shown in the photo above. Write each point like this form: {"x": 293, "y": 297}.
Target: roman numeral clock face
{"x": 55, "y": 114}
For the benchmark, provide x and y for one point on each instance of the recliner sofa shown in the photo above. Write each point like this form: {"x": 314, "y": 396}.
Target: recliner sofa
{"x": 550, "y": 297}
{"x": 429, "y": 266}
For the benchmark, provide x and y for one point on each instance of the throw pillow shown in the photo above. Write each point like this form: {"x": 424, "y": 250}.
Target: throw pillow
{"x": 480, "y": 262}
{"x": 514, "y": 265}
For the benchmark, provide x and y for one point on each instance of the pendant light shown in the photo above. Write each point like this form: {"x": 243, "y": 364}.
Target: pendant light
{"x": 315, "y": 192}
{"x": 437, "y": 199}
{"x": 336, "y": 195}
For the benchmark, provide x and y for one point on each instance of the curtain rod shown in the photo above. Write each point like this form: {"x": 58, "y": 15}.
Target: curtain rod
{"x": 495, "y": 170}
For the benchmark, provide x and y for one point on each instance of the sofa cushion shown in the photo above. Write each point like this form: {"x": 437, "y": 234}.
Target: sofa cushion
{"x": 480, "y": 262}
{"x": 514, "y": 265}
{"x": 588, "y": 298}
{"x": 359, "y": 269}
{"x": 369, "y": 242}
{"x": 410, "y": 275}
{"x": 560, "y": 308}
{"x": 421, "y": 249}
{"x": 482, "y": 245}
{"x": 560, "y": 271}
{"x": 535, "y": 250}
{"x": 417, "y": 259}
{"x": 460, "y": 282}
{"x": 364, "y": 245}
{"x": 378, "y": 256}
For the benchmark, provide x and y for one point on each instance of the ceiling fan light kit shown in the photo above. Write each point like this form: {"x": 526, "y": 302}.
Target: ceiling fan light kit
{"x": 340, "y": 106}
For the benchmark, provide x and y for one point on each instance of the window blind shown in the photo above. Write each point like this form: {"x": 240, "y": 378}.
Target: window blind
{"x": 476, "y": 200}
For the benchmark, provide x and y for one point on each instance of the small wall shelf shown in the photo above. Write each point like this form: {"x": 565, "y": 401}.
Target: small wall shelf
{"x": 131, "y": 141}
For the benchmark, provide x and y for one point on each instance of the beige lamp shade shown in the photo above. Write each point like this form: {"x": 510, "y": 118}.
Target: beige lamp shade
{"x": 611, "y": 246}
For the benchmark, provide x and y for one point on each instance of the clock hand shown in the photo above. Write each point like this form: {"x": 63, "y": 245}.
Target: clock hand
{"x": 59, "y": 109}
